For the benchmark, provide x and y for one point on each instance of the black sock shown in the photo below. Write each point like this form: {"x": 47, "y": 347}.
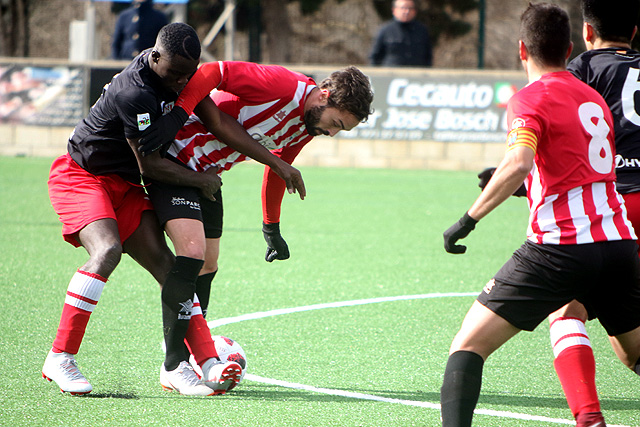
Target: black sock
{"x": 636, "y": 368}
{"x": 460, "y": 388}
{"x": 177, "y": 302}
{"x": 203, "y": 289}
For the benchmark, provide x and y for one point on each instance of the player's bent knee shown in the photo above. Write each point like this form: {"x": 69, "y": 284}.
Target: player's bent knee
{"x": 209, "y": 267}
{"x": 191, "y": 252}
{"x": 110, "y": 254}
{"x": 574, "y": 309}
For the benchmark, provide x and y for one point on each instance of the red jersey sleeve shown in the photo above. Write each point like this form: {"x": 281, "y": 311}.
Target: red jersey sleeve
{"x": 524, "y": 111}
{"x": 205, "y": 79}
{"x": 273, "y": 187}
{"x": 258, "y": 84}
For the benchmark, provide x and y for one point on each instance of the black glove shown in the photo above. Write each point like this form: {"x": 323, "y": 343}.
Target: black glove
{"x": 161, "y": 134}
{"x": 486, "y": 175}
{"x": 457, "y": 231}
{"x": 276, "y": 246}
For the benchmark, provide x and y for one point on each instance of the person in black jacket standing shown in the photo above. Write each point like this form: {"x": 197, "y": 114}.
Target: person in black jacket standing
{"x": 403, "y": 41}
{"x": 136, "y": 29}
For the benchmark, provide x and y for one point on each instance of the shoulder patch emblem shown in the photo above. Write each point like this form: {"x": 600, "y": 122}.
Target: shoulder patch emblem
{"x": 517, "y": 123}
{"x": 144, "y": 121}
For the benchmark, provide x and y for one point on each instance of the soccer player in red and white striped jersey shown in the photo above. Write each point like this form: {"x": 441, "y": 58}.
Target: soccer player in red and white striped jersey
{"x": 580, "y": 244}
{"x": 283, "y": 110}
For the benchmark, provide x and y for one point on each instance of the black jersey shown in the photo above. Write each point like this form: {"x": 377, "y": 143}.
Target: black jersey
{"x": 614, "y": 74}
{"x": 128, "y": 104}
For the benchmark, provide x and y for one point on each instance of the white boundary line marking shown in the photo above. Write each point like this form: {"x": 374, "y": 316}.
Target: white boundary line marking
{"x": 262, "y": 314}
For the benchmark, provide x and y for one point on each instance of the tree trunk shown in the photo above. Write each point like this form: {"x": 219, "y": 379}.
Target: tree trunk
{"x": 14, "y": 29}
{"x": 278, "y": 30}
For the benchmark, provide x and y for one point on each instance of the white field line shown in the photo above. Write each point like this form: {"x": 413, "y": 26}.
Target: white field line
{"x": 262, "y": 314}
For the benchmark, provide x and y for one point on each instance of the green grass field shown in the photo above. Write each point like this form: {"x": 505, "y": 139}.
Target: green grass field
{"x": 361, "y": 235}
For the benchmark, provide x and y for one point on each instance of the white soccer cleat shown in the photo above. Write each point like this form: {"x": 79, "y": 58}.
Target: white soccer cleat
{"x": 184, "y": 380}
{"x": 221, "y": 376}
{"x": 63, "y": 369}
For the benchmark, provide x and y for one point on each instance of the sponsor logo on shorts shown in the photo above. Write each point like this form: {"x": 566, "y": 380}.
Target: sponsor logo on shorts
{"x": 144, "y": 121}
{"x": 490, "y": 284}
{"x": 181, "y": 201}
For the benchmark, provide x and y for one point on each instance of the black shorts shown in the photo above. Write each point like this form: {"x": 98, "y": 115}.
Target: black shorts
{"x": 539, "y": 279}
{"x": 172, "y": 202}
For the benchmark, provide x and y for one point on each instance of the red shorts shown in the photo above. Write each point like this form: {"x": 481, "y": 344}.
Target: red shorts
{"x": 80, "y": 198}
{"x": 632, "y": 203}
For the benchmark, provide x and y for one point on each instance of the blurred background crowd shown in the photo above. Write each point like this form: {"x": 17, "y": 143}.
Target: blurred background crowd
{"x": 463, "y": 34}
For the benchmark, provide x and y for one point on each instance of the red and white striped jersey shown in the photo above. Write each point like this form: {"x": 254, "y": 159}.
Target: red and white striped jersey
{"x": 571, "y": 188}
{"x": 267, "y": 100}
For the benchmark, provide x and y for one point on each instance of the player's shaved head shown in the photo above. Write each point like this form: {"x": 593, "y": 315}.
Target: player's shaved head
{"x": 612, "y": 20}
{"x": 546, "y": 32}
{"x": 179, "y": 39}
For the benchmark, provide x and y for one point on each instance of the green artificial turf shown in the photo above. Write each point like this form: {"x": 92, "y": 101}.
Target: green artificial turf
{"x": 359, "y": 234}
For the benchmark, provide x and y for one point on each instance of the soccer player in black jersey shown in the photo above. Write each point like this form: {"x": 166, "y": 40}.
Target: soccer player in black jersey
{"x": 612, "y": 68}
{"x": 95, "y": 189}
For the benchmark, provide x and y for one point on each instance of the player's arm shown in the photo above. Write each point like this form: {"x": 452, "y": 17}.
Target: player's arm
{"x": 486, "y": 175}
{"x": 272, "y": 193}
{"x": 130, "y": 104}
{"x": 160, "y": 169}
{"x": 507, "y": 178}
{"x": 162, "y": 131}
{"x": 230, "y": 132}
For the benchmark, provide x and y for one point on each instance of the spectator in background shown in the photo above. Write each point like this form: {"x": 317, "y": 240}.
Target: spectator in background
{"x": 136, "y": 29}
{"x": 403, "y": 41}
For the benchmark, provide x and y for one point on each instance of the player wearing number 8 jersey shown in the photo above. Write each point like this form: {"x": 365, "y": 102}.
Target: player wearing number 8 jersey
{"x": 580, "y": 244}
{"x": 572, "y": 201}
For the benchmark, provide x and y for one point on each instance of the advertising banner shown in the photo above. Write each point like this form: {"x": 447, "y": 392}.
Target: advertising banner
{"x": 41, "y": 96}
{"x": 439, "y": 107}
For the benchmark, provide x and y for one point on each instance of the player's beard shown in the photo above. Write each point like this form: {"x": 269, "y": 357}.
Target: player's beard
{"x": 312, "y": 118}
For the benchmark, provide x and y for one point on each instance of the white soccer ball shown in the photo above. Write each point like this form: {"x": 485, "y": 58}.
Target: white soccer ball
{"x": 230, "y": 350}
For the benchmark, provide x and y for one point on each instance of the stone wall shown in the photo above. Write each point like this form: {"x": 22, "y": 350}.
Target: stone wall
{"x": 361, "y": 147}
{"x": 22, "y": 140}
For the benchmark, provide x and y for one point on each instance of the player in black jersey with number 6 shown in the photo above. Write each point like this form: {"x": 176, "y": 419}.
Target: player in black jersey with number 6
{"x": 612, "y": 68}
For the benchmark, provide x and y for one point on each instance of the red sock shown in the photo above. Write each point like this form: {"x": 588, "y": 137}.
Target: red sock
{"x": 83, "y": 294}
{"x": 198, "y": 337}
{"x": 575, "y": 364}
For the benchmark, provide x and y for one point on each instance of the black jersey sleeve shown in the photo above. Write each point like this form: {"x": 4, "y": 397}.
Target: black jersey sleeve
{"x": 575, "y": 68}
{"x": 137, "y": 107}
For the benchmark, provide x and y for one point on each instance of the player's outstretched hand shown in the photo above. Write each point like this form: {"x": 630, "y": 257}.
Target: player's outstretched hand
{"x": 211, "y": 183}
{"x": 457, "y": 231}
{"x": 292, "y": 178}
{"x": 276, "y": 246}
{"x": 485, "y": 176}
{"x": 161, "y": 134}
